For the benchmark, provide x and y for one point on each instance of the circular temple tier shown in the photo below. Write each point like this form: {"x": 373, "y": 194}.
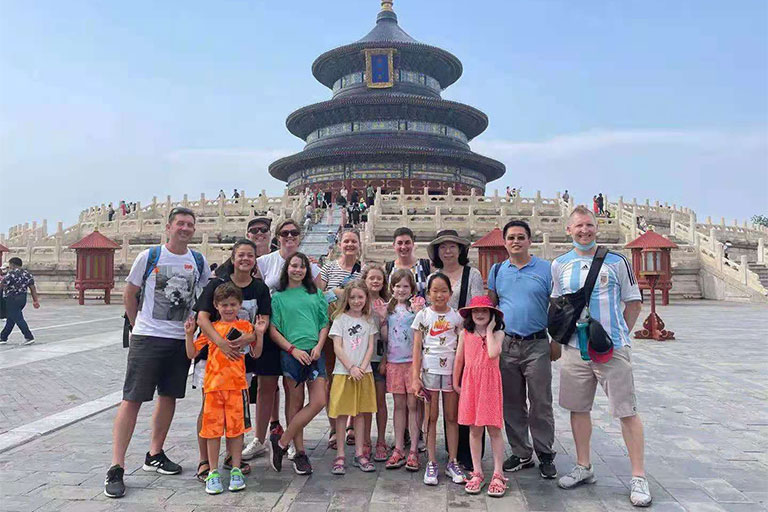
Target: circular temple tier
{"x": 386, "y": 124}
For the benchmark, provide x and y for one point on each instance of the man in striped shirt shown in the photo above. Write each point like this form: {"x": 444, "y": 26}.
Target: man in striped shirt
{"x": 615, "y": 303}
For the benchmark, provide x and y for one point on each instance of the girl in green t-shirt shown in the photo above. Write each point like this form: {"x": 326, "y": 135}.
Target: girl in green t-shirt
{"x": 299, "y": 327}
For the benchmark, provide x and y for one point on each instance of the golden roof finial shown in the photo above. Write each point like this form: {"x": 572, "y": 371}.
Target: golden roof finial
{"x": 386, "y": 5}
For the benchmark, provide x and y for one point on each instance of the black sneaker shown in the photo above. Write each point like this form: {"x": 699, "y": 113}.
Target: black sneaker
{"x": 161, "y": 464}
{"x": 547, "y": 467}
{"x": 113, "y": 484}
{"x": 301, "y": 464}
{"x": 515, "y": 463}
{"x": 276, "y": 452}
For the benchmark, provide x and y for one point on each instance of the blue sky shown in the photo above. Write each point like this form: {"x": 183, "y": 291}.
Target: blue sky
{"x": 102, "y": 101}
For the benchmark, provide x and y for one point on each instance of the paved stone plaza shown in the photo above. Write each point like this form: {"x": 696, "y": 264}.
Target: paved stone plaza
{"x": 703, "y": 400}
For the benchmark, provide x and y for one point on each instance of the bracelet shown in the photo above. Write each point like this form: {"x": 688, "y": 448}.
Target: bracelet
{"x": 290, "y": 350}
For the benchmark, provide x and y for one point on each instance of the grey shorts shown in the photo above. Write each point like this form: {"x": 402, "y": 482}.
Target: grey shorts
{"x": 436, "y": 382}
{"x": 579, "y": 379}
{"x": 155, "y": 363}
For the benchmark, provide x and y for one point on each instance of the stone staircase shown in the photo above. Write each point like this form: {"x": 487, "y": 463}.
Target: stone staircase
{"x": 315, "y": 241}
{"x": 761, "y": 270}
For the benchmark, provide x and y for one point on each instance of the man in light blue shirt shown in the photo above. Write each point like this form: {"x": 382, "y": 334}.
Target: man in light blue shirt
{"x": 521, "y": 286}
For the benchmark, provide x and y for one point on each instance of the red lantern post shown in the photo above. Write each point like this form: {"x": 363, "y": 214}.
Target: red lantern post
{"x": 651, "y": 261}
{"x": 95, "y": 265}
{"x": 491, "y": 250}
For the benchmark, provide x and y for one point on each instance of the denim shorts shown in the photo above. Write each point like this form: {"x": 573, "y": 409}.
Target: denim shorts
{"x": 292, "y": 367}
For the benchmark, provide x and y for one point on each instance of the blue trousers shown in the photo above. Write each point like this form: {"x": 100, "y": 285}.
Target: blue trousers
{"x": 14, "y": 306}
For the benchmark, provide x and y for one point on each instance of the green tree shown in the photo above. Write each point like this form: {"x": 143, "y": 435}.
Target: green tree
{"x": 761, "y": 220}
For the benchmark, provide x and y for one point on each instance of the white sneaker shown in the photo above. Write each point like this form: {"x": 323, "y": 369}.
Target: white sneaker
{"x": 430, "y": 475}
{"x": 639, "y": 494}
{"x": 291, "y": 452}
{"x": 254, "y": 449}
{"x": 578, "y": 475}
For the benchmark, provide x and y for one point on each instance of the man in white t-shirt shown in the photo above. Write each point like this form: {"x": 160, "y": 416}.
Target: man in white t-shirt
{"x": 157, "y": 357}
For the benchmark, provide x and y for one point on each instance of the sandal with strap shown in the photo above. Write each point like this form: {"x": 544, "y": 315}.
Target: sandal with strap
{"x": 475, "y": 483}
{"x": 202, "y": 474}
{"x": 332, "y": 442}
{"x": 396, "y": 460}
{"x": 380, "y": 455}
{"x": 365, "y": 464}
{"x": 498, "y": 486}
{"x": 412, "y": 464}
{"x": 245, "y": 468}
{"x": 350, "y": 436}
{"x": 338, "y": 466}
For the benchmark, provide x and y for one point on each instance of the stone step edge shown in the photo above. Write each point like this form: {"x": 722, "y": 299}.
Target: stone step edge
{"x": 57, "y": 421}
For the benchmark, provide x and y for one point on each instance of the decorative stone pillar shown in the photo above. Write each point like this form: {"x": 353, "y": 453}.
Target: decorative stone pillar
{"x": 712, "y": 238}
{"x": 44, "y": 229}
{"x": 744, "y": 268}
{"x": 56, "y": 250}
{"x": 761, "y": 251}
{"x": 204, "y": 246}
{"x": 546, "y": 247}
{"x": 124, "y": 254}
{"x": 672, "y": 221}
{"x": 438, "y": 219}
{"x": 403, "y": 215}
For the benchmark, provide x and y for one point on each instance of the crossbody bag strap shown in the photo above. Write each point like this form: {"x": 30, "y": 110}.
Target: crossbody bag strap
{"x": 464, "y": 286}
{"x": 594, "y": 270}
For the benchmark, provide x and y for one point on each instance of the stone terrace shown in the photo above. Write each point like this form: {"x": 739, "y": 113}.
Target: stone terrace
{"x": 702, "y": 399}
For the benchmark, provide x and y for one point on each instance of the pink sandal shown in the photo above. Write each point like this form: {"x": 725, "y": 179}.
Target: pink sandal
{"x": 475, "y": 483}
{"x": 381, "y": 452}
{"x": 396, "y": 460}
{"x": 498, "y": 486}
{"x": 338, "y": 466}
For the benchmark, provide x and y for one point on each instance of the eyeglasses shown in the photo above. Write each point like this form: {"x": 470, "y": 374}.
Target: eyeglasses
{"x": 255, "y": 231}
{"x": 293, "y": 232}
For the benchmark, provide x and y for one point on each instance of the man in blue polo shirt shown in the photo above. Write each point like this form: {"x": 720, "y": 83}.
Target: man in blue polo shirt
{"x": 521, "y": 286}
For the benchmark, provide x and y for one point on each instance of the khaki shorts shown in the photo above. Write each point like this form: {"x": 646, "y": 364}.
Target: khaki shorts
{"x": 579, "y": 378}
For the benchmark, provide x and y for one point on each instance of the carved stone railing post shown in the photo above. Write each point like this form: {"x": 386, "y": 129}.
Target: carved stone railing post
{"x": 438, "y": 219}
{"x": 744, "y": 268}
{"x": 761, "y": 251}
{"x": 672, "y": 223}
{"x": 124, "y": 252}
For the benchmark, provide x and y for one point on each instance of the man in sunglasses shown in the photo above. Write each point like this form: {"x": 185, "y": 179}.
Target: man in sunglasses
{"x": 258, "y": 232}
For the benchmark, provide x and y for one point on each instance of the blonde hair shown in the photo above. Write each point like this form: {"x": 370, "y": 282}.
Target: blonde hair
{"x": 397, "y": 276}
{"x": 582, "y": 210}
{"x": 384, "y": 292}
{"x": 343, "y": 307}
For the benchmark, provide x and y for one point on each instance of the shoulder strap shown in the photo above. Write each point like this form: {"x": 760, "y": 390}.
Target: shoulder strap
{"x": 464, "y": 286}
{"x": 495, "y": 269}
{"x": 597, "y": 262}
{"x": 426, "y": 266}
{"x": 388, "y": 266}
{"x": 355, "y": 268}
{"x": 199, "y": 261}
{"x": 152, "y": 259}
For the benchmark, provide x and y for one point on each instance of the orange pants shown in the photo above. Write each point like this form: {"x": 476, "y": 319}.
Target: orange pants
{"x": 225, "y": 410}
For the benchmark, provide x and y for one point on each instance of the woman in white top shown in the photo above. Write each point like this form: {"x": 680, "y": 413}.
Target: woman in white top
{"x": 270, "y": 265}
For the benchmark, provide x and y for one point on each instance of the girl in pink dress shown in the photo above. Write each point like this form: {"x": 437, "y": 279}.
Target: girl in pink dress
{"x": 477, "y": 379}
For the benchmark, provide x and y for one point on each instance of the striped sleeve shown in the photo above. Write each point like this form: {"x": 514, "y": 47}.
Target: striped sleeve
{"x": 630, "y": 291}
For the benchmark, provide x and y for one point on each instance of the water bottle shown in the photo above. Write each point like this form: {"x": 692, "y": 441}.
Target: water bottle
{"x": 582, "y": 326}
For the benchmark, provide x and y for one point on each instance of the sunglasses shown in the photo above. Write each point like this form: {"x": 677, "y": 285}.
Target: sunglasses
{"x": 293, "y": 232}
{"x": 255, "y": 231}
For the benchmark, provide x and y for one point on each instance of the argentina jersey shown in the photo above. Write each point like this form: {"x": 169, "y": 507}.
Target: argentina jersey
{"x": 615, "y": 284}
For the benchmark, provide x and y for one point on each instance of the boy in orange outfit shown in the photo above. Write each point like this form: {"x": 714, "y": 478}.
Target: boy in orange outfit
{"x": 225, "y": 385}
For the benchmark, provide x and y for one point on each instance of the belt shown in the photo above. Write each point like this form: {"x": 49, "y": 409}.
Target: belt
{"x": 535, "y": 336}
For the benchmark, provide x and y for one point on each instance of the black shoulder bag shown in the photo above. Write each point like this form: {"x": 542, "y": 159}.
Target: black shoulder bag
{"x": 564, "y": 311}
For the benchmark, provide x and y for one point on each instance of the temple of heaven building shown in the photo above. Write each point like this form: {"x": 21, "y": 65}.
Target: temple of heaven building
{"x": 386, "y": 124}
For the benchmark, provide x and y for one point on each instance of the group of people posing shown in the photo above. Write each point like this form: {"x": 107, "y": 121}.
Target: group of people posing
{"x": 344, "y": 336}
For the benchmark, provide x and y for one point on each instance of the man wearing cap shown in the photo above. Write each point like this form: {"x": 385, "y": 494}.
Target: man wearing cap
{"x": 615, "y": 303}
{"x": 521, "y": 286}
{"x": 258, "y": 232}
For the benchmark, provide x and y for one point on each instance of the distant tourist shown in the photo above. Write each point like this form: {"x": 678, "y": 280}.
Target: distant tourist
{"x": 14, "y": 289}
{"x": 521, "y": 286}
{"x": 110, "y": 213}
{"x": 157, "y": 358}
{"x": 222, "y": 195}
{"x": 370, "y": 194}
{"x": 235, "y": 194}
{"x": 618, "y": 300}
{"x": 566, "y": 196}
{"x": 600, "y": 204}
{"x": 595, "y": 206}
